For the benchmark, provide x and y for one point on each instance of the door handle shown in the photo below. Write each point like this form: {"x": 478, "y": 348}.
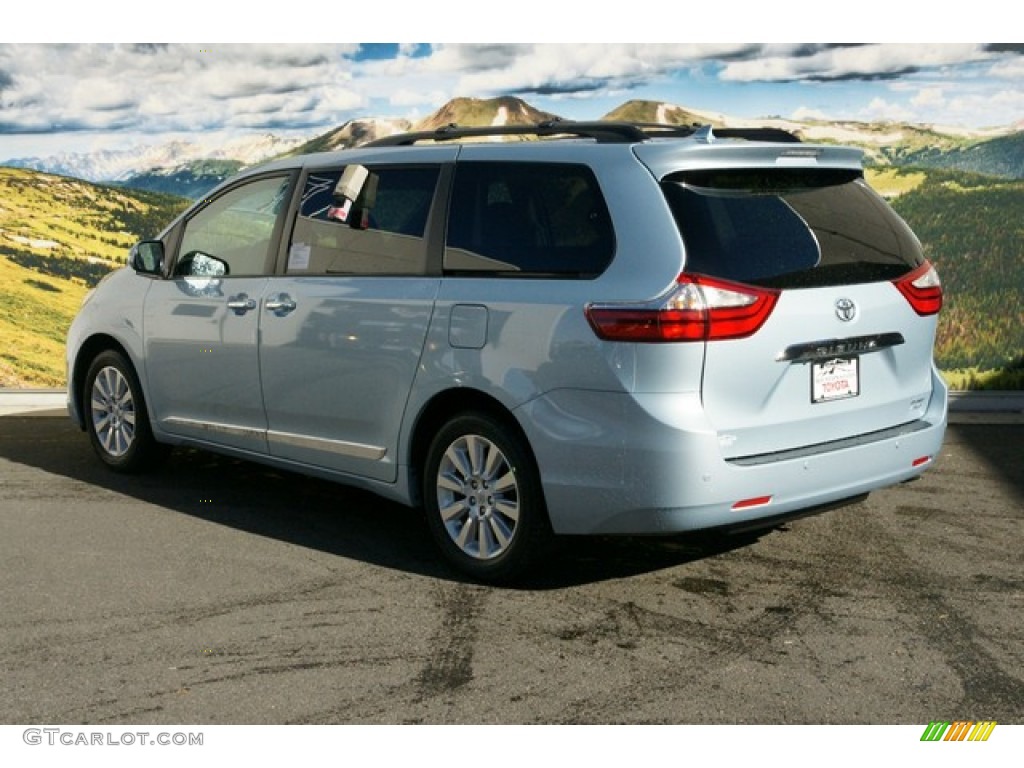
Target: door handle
{"x": 241, "y": 304}
{"x": 281, "y": 304}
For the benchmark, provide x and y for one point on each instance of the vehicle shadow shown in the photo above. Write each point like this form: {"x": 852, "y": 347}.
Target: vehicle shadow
{"x": 326, "y": 516}
{"x": 999, "y": 446}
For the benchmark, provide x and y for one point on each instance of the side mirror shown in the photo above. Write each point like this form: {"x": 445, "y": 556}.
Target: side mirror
{"x": 147, "y": 257}
{"x": 199, "y": 264}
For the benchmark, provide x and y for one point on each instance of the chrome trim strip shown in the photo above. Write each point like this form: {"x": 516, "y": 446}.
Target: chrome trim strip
{"x": 342, "y": 447}
{"x": 826, "y": 349}
{"x": 212, "y": 426}
{"x": 834, "y": 445}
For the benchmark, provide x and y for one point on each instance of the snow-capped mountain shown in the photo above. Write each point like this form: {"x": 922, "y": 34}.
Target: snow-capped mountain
{"x": 121, "y": 164}
{"x": 352, "y": 134}
{"x": 191, "y": 167}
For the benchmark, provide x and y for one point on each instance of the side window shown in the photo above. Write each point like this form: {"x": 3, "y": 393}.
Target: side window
{"x": 379, "y": 232}
{"x": 235, "y": 230}
{"x": 528, "y": 219}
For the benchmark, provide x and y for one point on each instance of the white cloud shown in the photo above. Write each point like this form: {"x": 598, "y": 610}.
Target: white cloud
{"x": 866, "y": 61}
{"x": 881, "y": 109}
{"x": 1009, "y": 69}
{"x": 189, "y": 87}
{"x": 405, "y": 97}
{"x": 929, "y": 98}
{"x": 553, "y": 68}
{"x": 807, "y": 113}
{"x": 174, "y": 87}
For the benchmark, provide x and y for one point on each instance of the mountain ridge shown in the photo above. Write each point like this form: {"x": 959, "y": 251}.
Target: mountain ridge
{"x": 121, "y": 164}
{"x": 182, "y": 167}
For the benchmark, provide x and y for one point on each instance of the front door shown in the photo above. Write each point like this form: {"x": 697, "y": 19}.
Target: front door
{"x": 202, "y": 324}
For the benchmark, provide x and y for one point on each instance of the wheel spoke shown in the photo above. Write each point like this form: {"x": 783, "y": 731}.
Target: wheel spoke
{"x": 466, "y": 533}
{"x": 120, "y": 440}
{"x": 505, "y": 482}
{"x": 495, "y": 460}
{"x": 108, "y": 440}
{"x": 502, "y": 533}
{"x": 449, "y": 483}
{"x": 509, "y": 509}
{"x": 456, "y": 509}
{"x": 483, "y": 544}
{"x": 457, "y": 458}
{"x": 109, "y": 383}
{"x": 473, "y": 452}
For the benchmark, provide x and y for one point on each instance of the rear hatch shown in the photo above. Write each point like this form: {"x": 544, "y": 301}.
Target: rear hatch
{"x": 845, "y": 346}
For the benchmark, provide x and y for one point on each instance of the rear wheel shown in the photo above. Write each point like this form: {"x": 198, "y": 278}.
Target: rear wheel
{"x": 483, "y": 498}
{"x": 115, "y": 414}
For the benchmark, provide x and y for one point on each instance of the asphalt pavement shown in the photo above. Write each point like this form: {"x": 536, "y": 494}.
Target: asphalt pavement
{"x": 219, "y": 591}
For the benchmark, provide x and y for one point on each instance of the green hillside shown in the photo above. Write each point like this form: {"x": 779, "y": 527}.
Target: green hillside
{"x": 58, "y": 237}
{"x": 1002, "y": 156}
{"x": 192, "y": 180}
{"x": 972, "y": 231}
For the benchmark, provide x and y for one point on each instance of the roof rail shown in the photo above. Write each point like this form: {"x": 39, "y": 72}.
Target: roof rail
{"x": 599, "y": 130}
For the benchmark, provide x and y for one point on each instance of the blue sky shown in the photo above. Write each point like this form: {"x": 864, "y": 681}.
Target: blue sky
{"x": 88, "y": 96}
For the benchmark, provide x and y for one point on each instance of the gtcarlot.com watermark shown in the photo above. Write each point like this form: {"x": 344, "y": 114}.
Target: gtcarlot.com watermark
{"x": 73, "y": 738}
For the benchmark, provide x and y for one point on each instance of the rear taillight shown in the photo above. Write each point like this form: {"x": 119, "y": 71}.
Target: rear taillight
{"x": 698, "y": 308}
{"x": 922, "y": 289}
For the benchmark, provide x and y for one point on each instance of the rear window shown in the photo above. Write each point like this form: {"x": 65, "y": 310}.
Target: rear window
{"x": 527, "y": 219}
{"x": 789, "y": 228}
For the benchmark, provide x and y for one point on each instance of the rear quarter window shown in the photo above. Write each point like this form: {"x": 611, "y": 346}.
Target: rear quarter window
{"x": 789, "y": 228}
{"x": 527, "y": 219}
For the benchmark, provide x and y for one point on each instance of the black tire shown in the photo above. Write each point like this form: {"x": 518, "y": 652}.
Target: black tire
{"x": 115, "y": 415}
{"x": 483, "y": 498}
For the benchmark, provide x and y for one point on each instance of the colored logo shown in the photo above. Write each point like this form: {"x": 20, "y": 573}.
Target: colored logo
{"x": 959, "y": 730}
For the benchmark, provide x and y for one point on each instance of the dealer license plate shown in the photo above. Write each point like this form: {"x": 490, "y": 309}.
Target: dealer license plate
{"x": 835, "y": 379}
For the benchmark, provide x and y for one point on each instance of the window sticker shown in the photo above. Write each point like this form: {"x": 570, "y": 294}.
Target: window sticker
{"x": 298, "y": 256}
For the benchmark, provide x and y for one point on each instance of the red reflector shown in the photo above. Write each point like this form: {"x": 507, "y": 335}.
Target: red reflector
{"x": 920, "y": 461}
{"x": 754, "y": 502}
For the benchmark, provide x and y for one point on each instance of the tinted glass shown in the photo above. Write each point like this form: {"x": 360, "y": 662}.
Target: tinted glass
{"x": 789, "y": 228}
{"x": 236, "y": 228}
{"x": 528, "y": 219}
{"x": 381, "y": 232}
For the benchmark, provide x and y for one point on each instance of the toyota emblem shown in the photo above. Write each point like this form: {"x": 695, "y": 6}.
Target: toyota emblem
{"x": 846, "y": 310}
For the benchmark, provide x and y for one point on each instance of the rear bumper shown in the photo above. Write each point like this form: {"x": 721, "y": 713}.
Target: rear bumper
{"x": 609, "y": 466}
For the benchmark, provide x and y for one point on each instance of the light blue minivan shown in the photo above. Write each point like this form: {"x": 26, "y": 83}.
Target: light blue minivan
{"x": 617, "y": 329}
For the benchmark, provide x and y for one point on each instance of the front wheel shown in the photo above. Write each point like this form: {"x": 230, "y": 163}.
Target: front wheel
{"x": 483, "y": 498}
{"x": 115, "y": 415}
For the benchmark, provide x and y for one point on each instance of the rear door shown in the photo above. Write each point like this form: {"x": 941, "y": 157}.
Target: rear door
{"x": 343, "y": 329}
{"x": 844, "y": 352}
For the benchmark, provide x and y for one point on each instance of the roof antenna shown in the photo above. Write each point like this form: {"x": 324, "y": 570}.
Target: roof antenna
{"x": 704, "y": 135}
